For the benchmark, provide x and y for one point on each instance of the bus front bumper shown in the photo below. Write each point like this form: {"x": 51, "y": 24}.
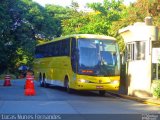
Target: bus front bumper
{"x": 91, "y": 86}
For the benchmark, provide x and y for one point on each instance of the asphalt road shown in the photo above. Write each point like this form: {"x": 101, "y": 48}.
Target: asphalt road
{"x": 55, "y": 100}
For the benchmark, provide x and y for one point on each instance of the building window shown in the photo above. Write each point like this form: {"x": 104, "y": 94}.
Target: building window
{"x": 130, "y": 51}
{"x": 136, "y": 51}
{"x": 139, "y": 53}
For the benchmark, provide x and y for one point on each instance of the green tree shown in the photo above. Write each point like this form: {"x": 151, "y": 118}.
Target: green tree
{"x": 22, "y": 22}
{"x": 136, "y": 12}
{"x": 58, "y": 13}
{"x": 97, "y": 22}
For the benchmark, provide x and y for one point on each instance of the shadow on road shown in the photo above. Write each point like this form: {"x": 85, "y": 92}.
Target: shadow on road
{"x": 80, "y": 93}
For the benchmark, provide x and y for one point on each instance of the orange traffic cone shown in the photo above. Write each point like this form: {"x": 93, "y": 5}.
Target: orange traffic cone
{"x": 29, "y": 79}
{"x": 29, "y": 86}
{"x": 7, "y": 79}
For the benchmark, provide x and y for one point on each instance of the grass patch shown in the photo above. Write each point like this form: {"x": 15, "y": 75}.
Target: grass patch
{"x": 156, "y": 89}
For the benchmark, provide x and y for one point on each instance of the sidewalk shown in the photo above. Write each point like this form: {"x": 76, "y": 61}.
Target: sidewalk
{"x": 149, "y": 100}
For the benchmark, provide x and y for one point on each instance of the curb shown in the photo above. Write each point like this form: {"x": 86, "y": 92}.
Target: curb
{"x": 141, "y": 100}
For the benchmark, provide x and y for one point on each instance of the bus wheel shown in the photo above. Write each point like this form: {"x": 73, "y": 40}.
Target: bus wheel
{"x": 44, "y": 81}
{"x": 102, "y": 92}
{"x": 41, "y": 80}
{"x": 69, "y": 90}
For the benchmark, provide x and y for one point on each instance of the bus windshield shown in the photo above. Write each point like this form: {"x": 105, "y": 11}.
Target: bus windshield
{"x": 98, "y": 57}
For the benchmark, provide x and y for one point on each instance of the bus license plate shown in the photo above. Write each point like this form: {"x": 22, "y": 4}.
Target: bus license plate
{"x": 99, "y": 87}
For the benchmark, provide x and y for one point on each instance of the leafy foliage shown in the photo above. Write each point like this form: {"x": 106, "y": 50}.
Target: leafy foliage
{"x": 58, "y": 13}
{"x": 100, "y": 21}
{"x": 97, "y": 22}
{"x": 156, "y": 91}
{"x": 23, "y": 22}
{"x": 136, "y": 12}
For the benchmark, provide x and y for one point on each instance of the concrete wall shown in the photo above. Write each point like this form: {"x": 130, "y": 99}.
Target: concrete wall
{"x": 138, "y": 72}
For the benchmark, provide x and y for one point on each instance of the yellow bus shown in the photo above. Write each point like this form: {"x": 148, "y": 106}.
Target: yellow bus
{"x": 80, "y": 62}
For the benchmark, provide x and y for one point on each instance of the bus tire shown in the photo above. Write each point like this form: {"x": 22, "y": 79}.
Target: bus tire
{"x": 44, "y": 81}
{"x": 41, "y": 80}
{"x": 68, "y": 89}
{"x": 102, "y": 92}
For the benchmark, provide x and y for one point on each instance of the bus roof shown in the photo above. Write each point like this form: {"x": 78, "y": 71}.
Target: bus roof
{"x": 80, "y": 36}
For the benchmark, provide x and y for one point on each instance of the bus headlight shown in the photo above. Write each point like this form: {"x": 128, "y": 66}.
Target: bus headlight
{"x": 115, "y": 82}
{"x": 83, "y": 81}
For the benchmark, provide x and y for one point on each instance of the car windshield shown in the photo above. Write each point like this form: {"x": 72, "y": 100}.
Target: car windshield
{"x": 98, "y": 57}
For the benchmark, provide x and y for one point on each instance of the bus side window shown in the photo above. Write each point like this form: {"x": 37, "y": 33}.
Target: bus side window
{"x": 40, "y": 52}
{"x": 67, "y": 47}
{"x": 73, "y": 54}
